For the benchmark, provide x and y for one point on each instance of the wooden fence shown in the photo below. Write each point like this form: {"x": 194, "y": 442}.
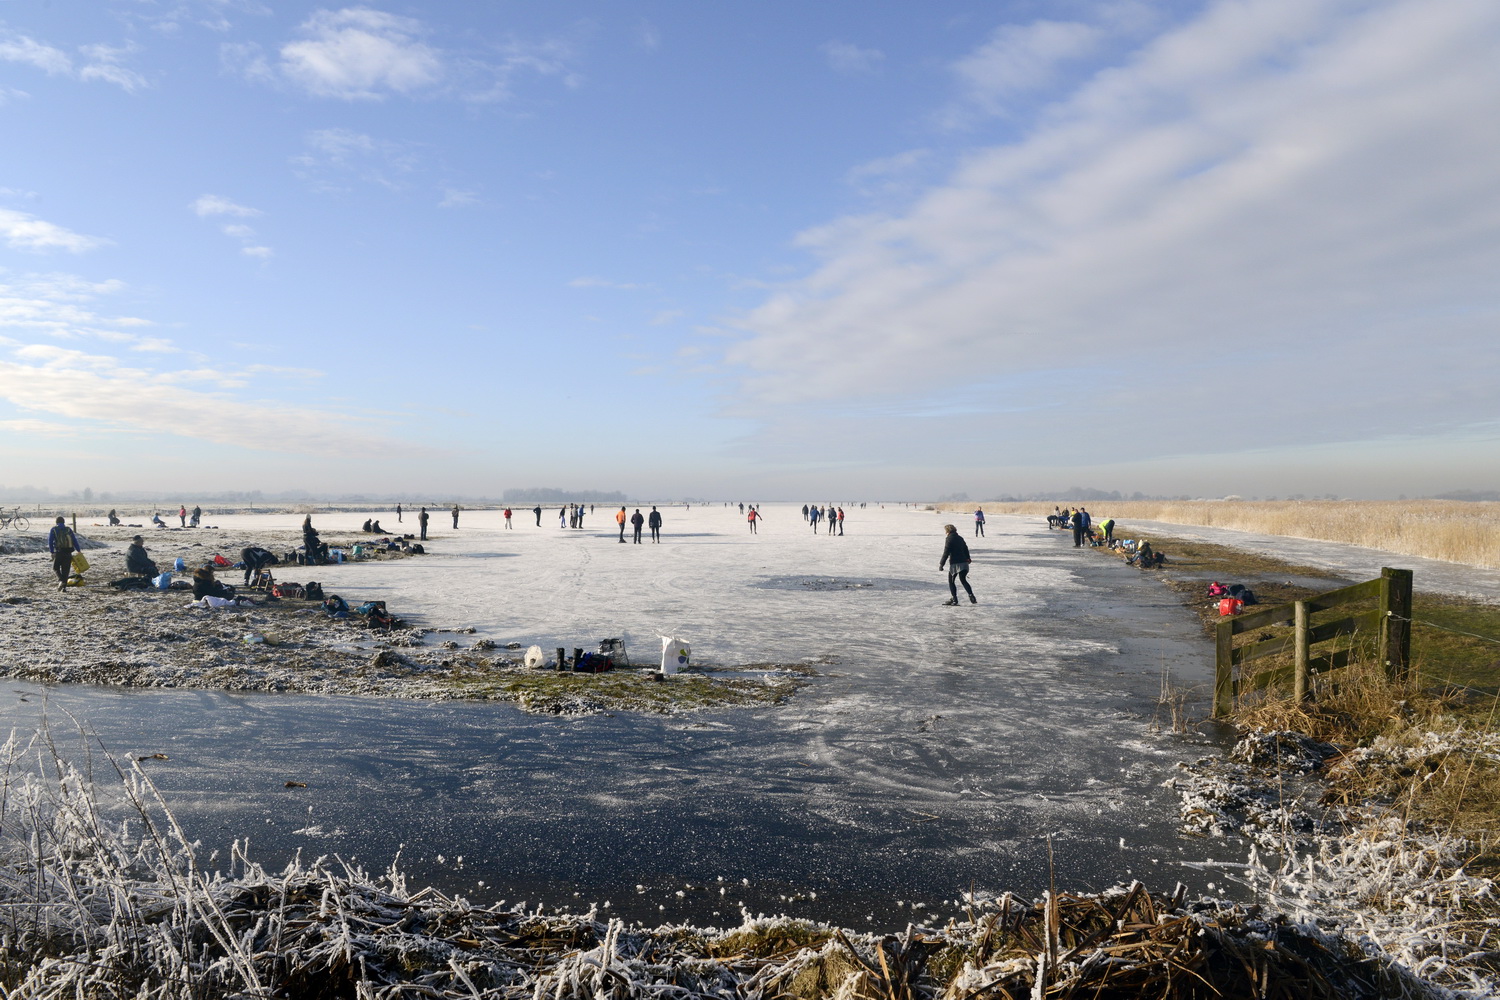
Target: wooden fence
{"x": 1390, "y": 620}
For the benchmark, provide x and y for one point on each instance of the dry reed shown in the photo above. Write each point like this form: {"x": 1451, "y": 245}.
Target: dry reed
{"x": 1451, "y": 530}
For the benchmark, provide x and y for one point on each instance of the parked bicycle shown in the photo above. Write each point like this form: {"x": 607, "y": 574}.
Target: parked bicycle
{"x": 13, "y": 518}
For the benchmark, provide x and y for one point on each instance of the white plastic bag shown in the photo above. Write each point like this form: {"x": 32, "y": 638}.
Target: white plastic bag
{"x": 534, "y": 657}
{"x": 674, "y": 654}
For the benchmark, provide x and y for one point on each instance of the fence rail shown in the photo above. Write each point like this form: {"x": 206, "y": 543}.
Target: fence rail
{"x": 1389, "y": 620}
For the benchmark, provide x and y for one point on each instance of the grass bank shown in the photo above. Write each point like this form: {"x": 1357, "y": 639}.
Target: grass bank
{"x": 1426, "y": 747}
{"x": 1452, "y": 530}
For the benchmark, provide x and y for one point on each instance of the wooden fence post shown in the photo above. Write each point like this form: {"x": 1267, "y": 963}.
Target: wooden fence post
{"x": 1224, "y": 668}
{"x": 1299, "y": 666}
{"x": 1395, "y": 622}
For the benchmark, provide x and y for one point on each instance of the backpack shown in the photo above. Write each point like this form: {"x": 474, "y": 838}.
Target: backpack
{"x": 335, "y": 607}
{"x": 313, "y": 591}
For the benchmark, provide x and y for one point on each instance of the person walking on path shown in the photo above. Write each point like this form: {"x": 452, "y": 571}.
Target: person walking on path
{"x": 654, "y": 523}
{"x": 537, "y": 510}
{"x": 398, "y": 513}
{"x": 422, "y": 522}
{"x": 636, "y": 520}
{"x": 61, "y": 543}
{"x": 956, "y": 555}
{"x": 754, "y": 518}
{"x": 979, "y": 523}
{"x": 620, "y": 520}
{"x": 507, "y": 517}
{"x": 455, "y": 517}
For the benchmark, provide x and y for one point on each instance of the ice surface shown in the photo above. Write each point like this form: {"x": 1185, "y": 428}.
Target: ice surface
{"x": 936, "y": 752}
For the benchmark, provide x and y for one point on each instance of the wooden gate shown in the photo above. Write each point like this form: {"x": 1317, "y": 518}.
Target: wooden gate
{"x": 1390, "y": 620}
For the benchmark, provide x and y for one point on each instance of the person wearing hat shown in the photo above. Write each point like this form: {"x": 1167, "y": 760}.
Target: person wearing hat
{"x": 956, "y": 556}
{"x": 61, "y": 543}
{"x": 137, "y": 562}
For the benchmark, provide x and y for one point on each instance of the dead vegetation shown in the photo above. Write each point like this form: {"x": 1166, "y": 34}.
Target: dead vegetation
{"x": 104, "y": 896}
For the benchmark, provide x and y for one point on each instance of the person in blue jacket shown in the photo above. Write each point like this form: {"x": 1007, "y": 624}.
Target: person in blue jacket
{"x": 979, "y": 523}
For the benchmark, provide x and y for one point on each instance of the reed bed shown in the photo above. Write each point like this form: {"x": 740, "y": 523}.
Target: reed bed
{"x": 1450, "y": 530}
{"x": 103, "y": 895}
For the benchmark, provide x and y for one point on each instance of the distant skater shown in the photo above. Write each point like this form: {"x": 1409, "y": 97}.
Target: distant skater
{"x": 754, "y": 518}
{"x": 455, "y": 517}
{"x": 398, "y": 513}
{"x": 979, "y": 523}
{"x": 841, "y": 522}
{"x": 537, "y": 510}
{"x": 182, "y": 515}
{"x": 831, "y": 515}
{"x": 636, "y": 520}
{"x": 620, "y": 520}
{"x": 812, "y": 518}
{"x": 507, "y": 517}
{"x": 654, "y": 523}
{"x": 956, "y": 555}
{"x": 422, "y": 522}
{"x": 61, "y": 543}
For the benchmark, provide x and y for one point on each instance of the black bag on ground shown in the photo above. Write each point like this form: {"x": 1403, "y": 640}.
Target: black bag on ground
{"x": 133, "y": 583}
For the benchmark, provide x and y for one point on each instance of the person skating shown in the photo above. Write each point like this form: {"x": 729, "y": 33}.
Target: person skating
{"x": 620, "y": 520}
{"x": 507, "y": 517}
{"x": 812, "y": 517}
{"x": 754, "y": 518}
{"x": 422, "y": 518}
{"x": 137, "y": 562}
{"x": 956, "y": 556}
{"x": 537, "y": 510}
{"x": 398, "y": 513}
{"x": 61, "y": 543}
{"x": 654, "y": 523}
{"x": 979, "y": 523}
{"x": 636, "y": 520}
{"x": 455, "y": 517}
{"x": 841, "y": 522}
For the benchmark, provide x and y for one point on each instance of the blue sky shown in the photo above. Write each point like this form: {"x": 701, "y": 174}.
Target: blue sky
{"x": 751, "y": 250}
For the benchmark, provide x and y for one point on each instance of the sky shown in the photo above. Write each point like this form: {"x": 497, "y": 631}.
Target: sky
{"x": 775, "y": 250}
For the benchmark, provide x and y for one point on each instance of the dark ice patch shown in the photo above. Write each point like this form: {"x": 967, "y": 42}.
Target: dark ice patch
{"x": 839, "y": 583}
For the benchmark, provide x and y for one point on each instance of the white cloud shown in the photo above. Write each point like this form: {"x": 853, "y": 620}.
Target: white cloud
{"x": 212, "y": 204}
{"x": 359, "y": 53}
{"x": 101, "y": 62}
{"x": 603, "y": 283}
{"x": 1019, "y": 58}
{"x": 21, "y": 49}
{"x": 263, "y": 253}
{"x": 22, "y": 231}
{"x": 1272, "y": 212}
{"x": 104, "y": 64}
{"x": 454, "y": 198}
{"x": 851, "y": 59}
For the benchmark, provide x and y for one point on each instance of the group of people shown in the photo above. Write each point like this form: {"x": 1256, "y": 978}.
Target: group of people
{"x": 637, "y": 521}
{"x": 1081, "y": 523}
{"x": 831, "y": 516}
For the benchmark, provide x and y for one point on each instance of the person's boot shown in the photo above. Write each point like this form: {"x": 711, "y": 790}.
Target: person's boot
{"x": 951, "y": 602}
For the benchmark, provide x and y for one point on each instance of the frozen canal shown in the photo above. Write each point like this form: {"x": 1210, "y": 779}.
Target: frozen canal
{"x": 936, "y": 752}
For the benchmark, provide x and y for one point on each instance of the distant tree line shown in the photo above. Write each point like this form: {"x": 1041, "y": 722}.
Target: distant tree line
{"x": 551, "y": 494}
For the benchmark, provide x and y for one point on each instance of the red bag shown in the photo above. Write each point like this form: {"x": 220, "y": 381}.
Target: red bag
{"x": 220, "y": 561}
{"x": 1230, "y": 606}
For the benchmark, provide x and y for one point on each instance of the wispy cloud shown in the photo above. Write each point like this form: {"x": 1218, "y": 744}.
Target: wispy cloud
{"x": 1275, "y": 194}
{"x": 851, "y": 59}
{"x": 22, "y": 231}
{"x": 361, "y": 54}
{"x": 208, "y": 205}
{"x": 604, "y": 283}
{"x": 99, "y": 62}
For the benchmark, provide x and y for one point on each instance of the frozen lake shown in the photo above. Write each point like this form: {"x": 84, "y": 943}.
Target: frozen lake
{"x": 937, "y": 751}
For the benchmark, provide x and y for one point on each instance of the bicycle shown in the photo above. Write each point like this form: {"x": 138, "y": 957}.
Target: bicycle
{"x": 14, "y": 519}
